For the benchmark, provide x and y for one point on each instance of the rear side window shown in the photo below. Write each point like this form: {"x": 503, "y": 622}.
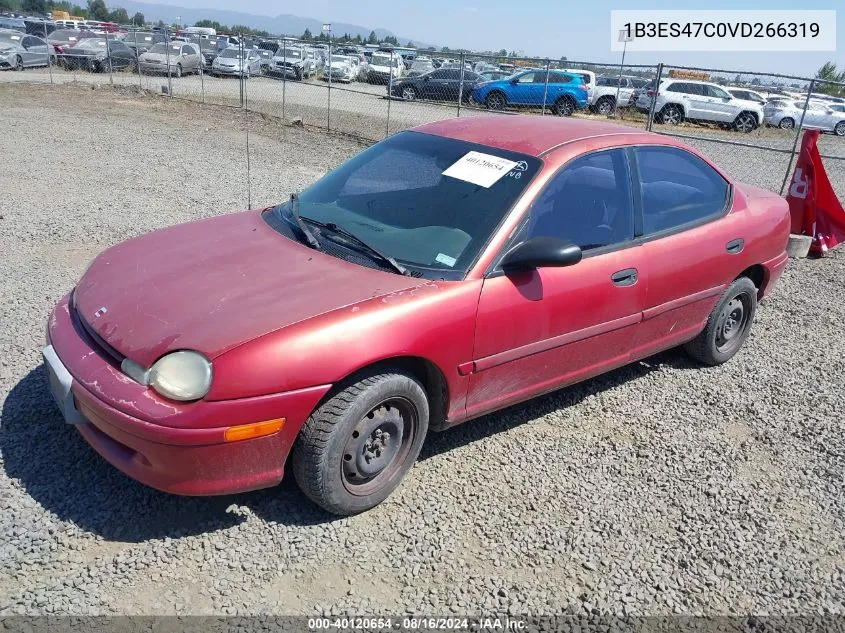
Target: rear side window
{"x": 587, "y": 203}
{"x": 677, "y": 188}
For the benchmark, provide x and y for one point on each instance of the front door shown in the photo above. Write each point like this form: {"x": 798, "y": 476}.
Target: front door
{"x": 539, "y": 330}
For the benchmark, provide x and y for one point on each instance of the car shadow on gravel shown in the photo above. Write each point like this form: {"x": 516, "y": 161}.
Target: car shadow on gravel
{"x": 58, "y": 469}
{"x": 516, "y": 415}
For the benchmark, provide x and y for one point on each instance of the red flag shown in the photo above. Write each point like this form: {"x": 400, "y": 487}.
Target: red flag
{"x": 813, "y": 204}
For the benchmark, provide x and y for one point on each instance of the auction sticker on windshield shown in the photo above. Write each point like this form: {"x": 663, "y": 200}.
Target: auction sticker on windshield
{"x": 479, "y": 168}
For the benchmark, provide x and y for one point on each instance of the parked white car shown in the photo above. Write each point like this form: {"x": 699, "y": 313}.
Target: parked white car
{"x": 678, "y": 100}
{"x": 383, "y": 65}
{"x": 603, "y": 97}
{"x": 786, "y": 114}
{"x": 341, "y": 68}
{"x": 746, "y": 94}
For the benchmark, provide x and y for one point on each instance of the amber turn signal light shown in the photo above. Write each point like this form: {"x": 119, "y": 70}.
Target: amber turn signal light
{"x": 250, "y": 431}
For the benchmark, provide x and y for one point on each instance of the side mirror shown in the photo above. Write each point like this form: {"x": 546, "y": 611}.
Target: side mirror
{"x": 514, "y": 81}
{"x": 541, "y": 252}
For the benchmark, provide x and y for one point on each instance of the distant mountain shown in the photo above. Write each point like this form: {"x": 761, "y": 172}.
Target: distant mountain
{"x": 279, "y": 25}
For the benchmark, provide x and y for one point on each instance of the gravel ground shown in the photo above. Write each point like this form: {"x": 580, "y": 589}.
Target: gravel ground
{"x": 659, "y": 488}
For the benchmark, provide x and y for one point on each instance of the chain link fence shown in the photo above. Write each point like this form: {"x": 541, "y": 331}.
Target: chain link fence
{"x": 372, "y": 94}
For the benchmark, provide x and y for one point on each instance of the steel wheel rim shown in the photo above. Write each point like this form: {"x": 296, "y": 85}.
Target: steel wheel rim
{"x": 378, "y": 446}
{"x": 19, "y": 64}
{"x": 732, "y": 323}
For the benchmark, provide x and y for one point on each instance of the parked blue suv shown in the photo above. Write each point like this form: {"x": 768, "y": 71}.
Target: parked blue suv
{"x": 564, "y": 93}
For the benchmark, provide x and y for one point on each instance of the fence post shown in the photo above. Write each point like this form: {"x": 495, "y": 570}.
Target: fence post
{"x": 650, "y": 119}
{"x": 167, "y": 59}
{"x": 545, "y": 88}
{"x": 329, "y": 98}
{"x": 137, "y": 61}
{"x": 245, "y": 76}
{"x": 241, "y": 74}
{"x": 284, "y": 73}
{"x": 797, "y": 136}
{"x": 461, "y": 85}
{"x": 202, "y": 74}
{"x": 108, "y": 58}
{"x": 389, "y": 92}
{"x": 49, "y": 54}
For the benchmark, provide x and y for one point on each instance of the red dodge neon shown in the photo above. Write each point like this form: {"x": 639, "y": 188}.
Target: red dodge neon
{"x": 439, "y": 275}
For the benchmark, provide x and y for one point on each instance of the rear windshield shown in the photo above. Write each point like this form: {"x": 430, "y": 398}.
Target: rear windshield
{"x": 397, "y": 197}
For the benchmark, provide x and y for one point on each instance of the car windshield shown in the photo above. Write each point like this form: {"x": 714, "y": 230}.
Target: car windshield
{"x": 232, "y": 53}
{"x": 383, "y": 60}
{"x": 8, "y": 40}
{"x": 424, "y": 200}
{"x": 339, "y": 58}
{"x": 161, "y": 48}
{"x": 293, "y": 53}
{"x": 91, "y": 43}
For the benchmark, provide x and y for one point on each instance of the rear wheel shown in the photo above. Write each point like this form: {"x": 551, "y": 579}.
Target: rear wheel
{"x": 727, "y": 326}
{"x": 355, "y": 448}
{"x": 745, "y": 122}
{"x": 495, "y": 101}
{"x": 408, "y": 93}
{"x": 564, "y": 106}
{"x": 671, "y": 115}
{"x": 786, "y": 123}
{"x": 18, "y": 63}
{"x": 605, "y": 106}
{"x": 839, "y": 128}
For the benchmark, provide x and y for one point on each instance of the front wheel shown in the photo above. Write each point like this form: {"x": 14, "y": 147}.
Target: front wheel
{"x": 605, "y": 106}
{"x": 727, "y": 326}
{"x": 408, "y": 93}
{"x": 354, "y": 449}
{"x": 18, "y": 63}
{"x": 178, "y": 70}
{"x": 839, "y": 128}
{"x": 786, "y": 123}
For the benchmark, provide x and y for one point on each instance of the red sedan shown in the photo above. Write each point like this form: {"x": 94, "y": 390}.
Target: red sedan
{"x": 442, "y": 274}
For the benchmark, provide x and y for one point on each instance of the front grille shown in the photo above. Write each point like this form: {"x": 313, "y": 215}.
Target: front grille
{"x": 93, "y": 339}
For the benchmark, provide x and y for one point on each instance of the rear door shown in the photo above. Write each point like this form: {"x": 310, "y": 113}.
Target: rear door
{"x": 689, "y": 242}
{"x": 539, "y": 330}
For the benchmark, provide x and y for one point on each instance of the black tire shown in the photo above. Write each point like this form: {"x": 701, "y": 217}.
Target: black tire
{"x": 839, "y": 128}
{"x": 18, "y": 63}
{"x": 343, "y": 459}
{"x": 409, "y": 93}
{"x": 564, "y": 106}
{"x": 727, "y": 326}
{"x": 495, "y": 101}
{"x": 745, "y": 122}
{"x": 671, "y": 115}
{"x": 178, "y": 70}
{"x": 105, "y": 66}
{"x": 604, "y": 106}
{"x": 786, "y": 123}
{"x": 298, "y": 75}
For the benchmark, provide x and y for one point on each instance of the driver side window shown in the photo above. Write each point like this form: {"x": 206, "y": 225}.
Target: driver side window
{"x": 587, "y": 203}
{"x": 527, "y": 78}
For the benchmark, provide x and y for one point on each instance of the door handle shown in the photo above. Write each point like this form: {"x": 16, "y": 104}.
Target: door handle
{"x": 627, "y": 277}
{"x": 735, "y": 246}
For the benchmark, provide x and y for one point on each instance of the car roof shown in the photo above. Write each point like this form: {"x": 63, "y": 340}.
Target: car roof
{"x": 528, "y": 135}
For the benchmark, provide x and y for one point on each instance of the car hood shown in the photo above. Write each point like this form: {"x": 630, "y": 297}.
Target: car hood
{"x": 214, "y": 284}
{"x": 161, "y": 57}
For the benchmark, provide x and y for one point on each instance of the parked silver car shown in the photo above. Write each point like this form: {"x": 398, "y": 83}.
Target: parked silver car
{"x": 183, "y": 58}
{"x": 292, "y": 62}
{"x": 786, "y": 114}
{"x": 237, "y": 61}
{"x": 19, "y": 50}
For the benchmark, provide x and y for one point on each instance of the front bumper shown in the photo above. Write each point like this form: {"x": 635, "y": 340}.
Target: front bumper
{"x": 174, "y": 447}
{"x": 227, "y": 70}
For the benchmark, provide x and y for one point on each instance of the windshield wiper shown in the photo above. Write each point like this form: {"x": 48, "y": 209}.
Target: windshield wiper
{"x": 304, "y": 230}
{"x": 351, "y": 237}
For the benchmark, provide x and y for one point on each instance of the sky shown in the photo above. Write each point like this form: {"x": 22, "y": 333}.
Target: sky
{"x": 579, "y": 30}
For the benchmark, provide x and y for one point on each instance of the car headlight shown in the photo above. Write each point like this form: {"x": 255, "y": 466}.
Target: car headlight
{"x": 183, "y": 375}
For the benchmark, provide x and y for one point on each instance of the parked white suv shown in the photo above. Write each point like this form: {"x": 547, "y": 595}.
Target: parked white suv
{"x": 685, "y": 99}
